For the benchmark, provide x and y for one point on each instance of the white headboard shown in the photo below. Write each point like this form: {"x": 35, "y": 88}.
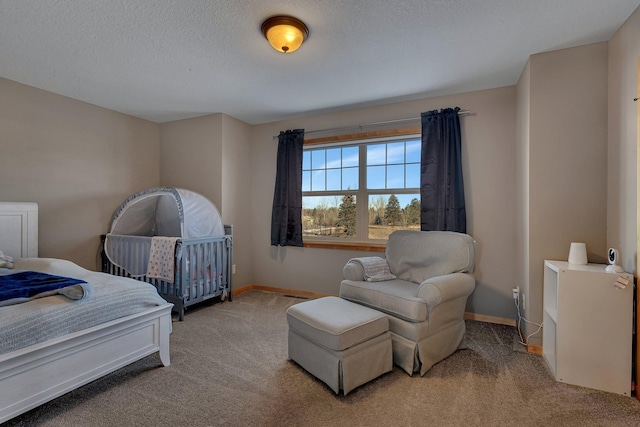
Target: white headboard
{"x": 19, "y": 229}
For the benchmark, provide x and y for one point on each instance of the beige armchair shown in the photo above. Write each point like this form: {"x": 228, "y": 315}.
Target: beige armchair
{"x": 426, "y": 301}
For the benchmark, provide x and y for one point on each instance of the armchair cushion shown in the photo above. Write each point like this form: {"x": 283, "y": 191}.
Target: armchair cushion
{"x": 419, "y": 255}
{"x": 395, "y": 297}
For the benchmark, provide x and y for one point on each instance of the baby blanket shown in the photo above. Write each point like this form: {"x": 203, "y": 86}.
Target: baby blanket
{"x": 162, "y": 258}
{"x": 375, "y": 269}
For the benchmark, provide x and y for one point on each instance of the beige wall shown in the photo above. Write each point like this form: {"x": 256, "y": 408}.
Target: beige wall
{"x": 76, "y": 160}
{"x": 210, "y": 155}
{"x": 566, "y": 147}
{"x": 489, "y": 167}
{"x": 236, "y": 185}
{"x": 191, "y": 156}
{"x": 624, "y": 54}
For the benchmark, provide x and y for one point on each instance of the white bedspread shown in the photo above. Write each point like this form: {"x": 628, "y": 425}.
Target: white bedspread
{"x": 36, "y": 321}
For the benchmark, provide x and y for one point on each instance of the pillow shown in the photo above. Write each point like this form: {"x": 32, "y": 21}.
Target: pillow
{"x": 5, "y": 261}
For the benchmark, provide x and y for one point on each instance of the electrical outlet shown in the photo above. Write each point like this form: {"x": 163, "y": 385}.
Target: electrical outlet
{"x": 516, "y": 292}
{"x": 233, "y": 269}
{"x": 524, "y": 302}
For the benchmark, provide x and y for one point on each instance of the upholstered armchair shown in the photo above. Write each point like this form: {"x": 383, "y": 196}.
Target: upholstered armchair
{"x": 425, "y": 302}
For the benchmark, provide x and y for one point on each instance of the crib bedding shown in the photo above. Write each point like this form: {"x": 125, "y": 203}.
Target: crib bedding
{"x": 42, "y": 319}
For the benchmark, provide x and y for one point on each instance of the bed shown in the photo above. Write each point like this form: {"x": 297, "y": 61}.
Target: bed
{"x": 52, "y": 345}
{"x": 180, "y": 230}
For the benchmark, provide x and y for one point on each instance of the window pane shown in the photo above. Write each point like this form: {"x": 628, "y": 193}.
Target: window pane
{"x": 349, "y": 179}
{"x": 306, "y": 160}
{"x": 375, "y": 177}
{"x": 395, "y": 176}
{"x": 333, "y": 158}
{"x": 346, "y": 223}
{"x": 395, "y": 153}
{"x": 413, "y": 151}
{"x": 318, "y": 159}
{"x": 388, "y": 213}
{"x": 376, "y": 154}
{"x": 410, "y": 204}
{"x": 333, "y": 216}
{"x": 320, "y": 202}
{"x": 377, "y": 204}
{"x": 306, "y": 181}
{"x": 318, "y": 180}
{"x": 413, "y": 175}
{"x": 350, "y": 157}
{"x": 333, "y": 179}
{"x": 319, "y": 214}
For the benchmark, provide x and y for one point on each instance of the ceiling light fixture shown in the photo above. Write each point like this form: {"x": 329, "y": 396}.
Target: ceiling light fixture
{"x": 285, "y": 33}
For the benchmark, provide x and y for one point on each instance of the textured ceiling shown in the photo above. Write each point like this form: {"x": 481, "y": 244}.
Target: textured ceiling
{"x": 172, "y": 59}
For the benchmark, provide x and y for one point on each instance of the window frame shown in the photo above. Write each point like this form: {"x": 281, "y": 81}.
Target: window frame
{"x": 361, "y": 240}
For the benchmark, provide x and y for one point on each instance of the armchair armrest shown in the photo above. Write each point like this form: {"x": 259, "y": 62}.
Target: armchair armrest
{"x": 444, "y": 288}
{"x": 354, "y": 269}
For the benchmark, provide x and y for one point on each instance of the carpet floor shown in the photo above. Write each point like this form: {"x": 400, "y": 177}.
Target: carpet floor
{"x": 229, "y": 367}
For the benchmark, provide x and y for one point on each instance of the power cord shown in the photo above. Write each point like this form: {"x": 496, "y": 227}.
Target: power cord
{"x": 524, "y": 340}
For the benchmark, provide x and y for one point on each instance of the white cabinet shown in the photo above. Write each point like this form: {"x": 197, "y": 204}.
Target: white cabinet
{"x": 588, "y": 325}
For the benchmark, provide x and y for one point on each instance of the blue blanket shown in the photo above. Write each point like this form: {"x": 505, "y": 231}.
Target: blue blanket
{"x": 26, "y": 285}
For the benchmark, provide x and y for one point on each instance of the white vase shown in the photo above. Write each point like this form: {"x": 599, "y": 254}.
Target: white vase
{"x": 578, "y": 253}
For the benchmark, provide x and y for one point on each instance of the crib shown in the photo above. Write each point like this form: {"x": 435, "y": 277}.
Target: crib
{"x": 202, "y": 256}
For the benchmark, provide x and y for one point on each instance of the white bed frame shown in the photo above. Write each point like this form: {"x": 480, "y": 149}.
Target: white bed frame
{"x": 37, "y": 374}
{"x": 19, "y": 229}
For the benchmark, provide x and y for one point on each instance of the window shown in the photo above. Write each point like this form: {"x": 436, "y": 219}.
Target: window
{"x": 361, "y": 192}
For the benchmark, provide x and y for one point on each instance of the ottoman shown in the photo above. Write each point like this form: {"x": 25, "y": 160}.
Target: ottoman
{"x": 339, "y": 342}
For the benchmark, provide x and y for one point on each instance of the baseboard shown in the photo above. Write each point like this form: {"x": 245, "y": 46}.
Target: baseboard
{"x": 536, "y": 349}
{"x": 490, "y": 319}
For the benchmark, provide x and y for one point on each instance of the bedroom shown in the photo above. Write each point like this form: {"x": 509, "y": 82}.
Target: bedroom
{"x": 114, "y": 155}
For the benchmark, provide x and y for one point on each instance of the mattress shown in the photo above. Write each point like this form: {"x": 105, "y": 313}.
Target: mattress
{"x": 39, "y": 320}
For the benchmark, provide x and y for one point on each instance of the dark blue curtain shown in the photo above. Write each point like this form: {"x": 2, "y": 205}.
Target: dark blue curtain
{"x": 441, "y": 184}
{"x": 286, "y": 216}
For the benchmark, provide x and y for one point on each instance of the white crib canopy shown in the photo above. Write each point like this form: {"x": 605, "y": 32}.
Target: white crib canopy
{"x": 167, "y": 211}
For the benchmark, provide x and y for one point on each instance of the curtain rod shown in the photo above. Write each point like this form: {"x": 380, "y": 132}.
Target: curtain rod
{"x": 362, "y": 126}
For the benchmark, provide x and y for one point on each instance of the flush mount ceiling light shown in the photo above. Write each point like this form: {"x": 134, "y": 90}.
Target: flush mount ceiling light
{"x": 285, "y": 33}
